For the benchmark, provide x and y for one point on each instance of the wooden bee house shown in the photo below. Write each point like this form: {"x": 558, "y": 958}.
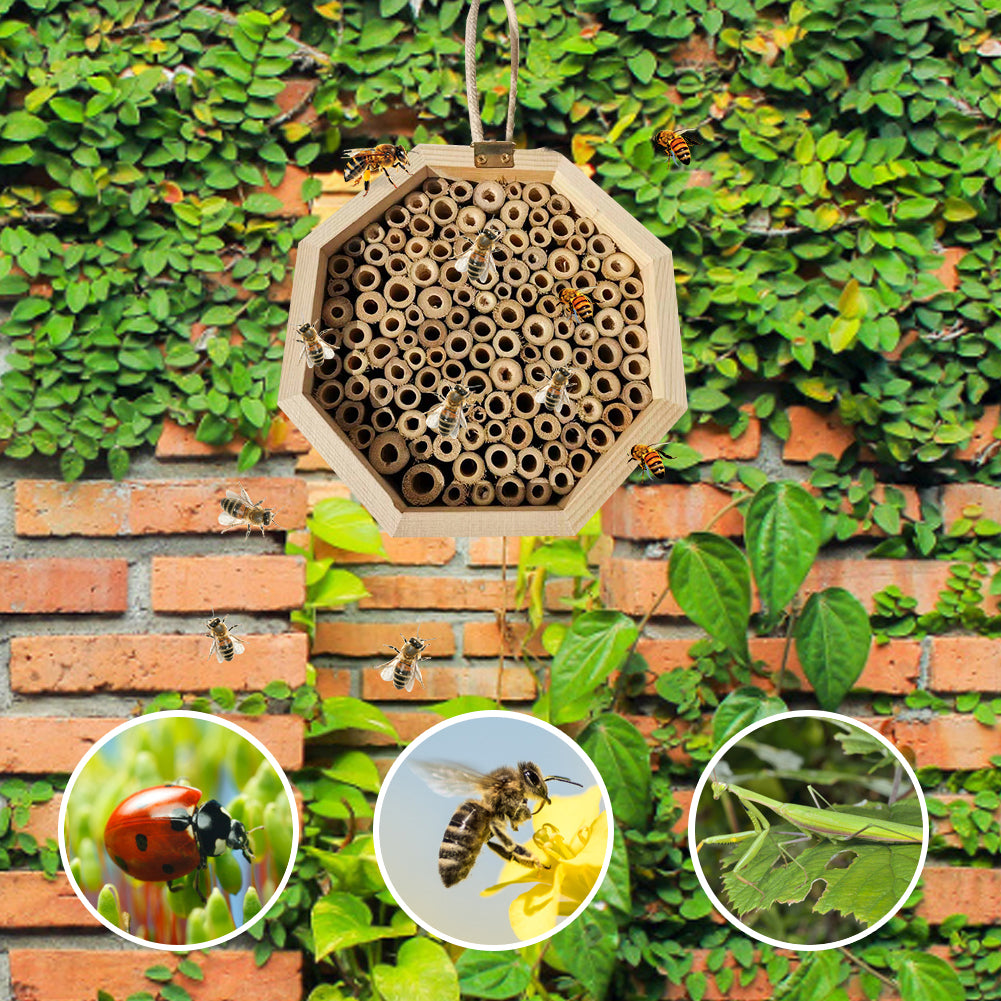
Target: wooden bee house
{"x": 380, "y": 276}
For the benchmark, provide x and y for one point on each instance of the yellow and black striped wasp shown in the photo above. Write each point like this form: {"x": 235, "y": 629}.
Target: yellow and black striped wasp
{"x": 651, "y": 459}
{"x": 363, "y": 163}
{"x": 576, "y": 303}
{"x": 675, "y": 144}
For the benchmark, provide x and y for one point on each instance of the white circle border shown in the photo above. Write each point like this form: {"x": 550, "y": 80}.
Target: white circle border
{"x": 184, "y": 714}
{"x": 517, "y": 717}
{"x": 697, "y": 795}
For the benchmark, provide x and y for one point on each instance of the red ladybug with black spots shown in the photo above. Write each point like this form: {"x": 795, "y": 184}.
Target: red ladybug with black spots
{"x": 161, "y": 834}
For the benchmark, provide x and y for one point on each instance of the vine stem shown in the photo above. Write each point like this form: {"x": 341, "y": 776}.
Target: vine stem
{"x": 785, "y": 651}
{"x": 502, "y": 619}
{"x": 862, "y": 964}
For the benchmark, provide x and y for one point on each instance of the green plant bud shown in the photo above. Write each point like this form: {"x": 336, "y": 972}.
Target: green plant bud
{"x": 109, "y": 907}
{"x": 228, "y": 870}
{"x": 185, "y": 900}
{"x": 147, "y": 771}
{"x": 196, "y": 930}
{"x": 251, "y": 904}
{"x": 267, "y": 784}
{"x": 218, "y": 920}
{"x": 278, "y": 826}
{"x": 91, "y": 877}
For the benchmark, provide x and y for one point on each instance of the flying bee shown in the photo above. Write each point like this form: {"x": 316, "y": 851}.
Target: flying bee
{"x": 554, "y": 393}
{"x": 675, "y": 144}
{"x": 478, "y": 262}
{"x": 239, "y": 509}
{"x": 403, "y": 668}
{"x": 315, "y": 349}
{"x": 363, "y": 163}
{"x": 576, "y": 303}
{"x": 449, "y": 416}
{"x": 651, "y": 459}
{"x": 224, "y": 644}
{"x": 504, "y": 795}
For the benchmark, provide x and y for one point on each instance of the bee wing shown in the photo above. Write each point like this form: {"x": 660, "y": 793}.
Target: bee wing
{"x": 238, "y": 647}
{"x": 693, "y": 138}
{"x": 245, "y": 497}
{"x": 327, "y": 349}
{"x": 307, "y": 356}
{"x": 434, "y": 416}
{"x": 448, "y": 778}
{"x": 228, "y": 519}
{"x": 233, "y": 496}
{"x": 463, "y": 262}
{"x": 349, "y": 153}
{"x": 415, "y": 676}
{"x": 540, "y": 396}
{"x": 491, "y": 270}
{"x": 214, "y": 649}
{"x": 388, "y": 668}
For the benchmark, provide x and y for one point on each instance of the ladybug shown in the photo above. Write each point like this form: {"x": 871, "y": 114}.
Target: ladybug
{"x": 162, "y": 834}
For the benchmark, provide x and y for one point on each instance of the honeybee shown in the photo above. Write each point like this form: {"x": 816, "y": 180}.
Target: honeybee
{"x": 362, "y": 163}
{"x": 477, "y": 262}
{"x": 403, "y": 669}
{"x": 239, "y": 509}
{"x": 316, "y": 350}
{"x": 576, "y": 303}
{"x": 504, "y": 795}
{"x": 449, "y": 416}
{"x": 554, "y": 393}
{"x": 650, "y": 459}
{"x": 224, "y": 644}
{"x": 675, "y": 144}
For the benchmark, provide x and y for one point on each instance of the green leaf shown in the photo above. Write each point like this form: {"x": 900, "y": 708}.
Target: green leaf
{"x": 711, "y": 582}
{"x": 461, "y": 705}
{"x": 19, "y": 126}
{"x": 254, "y": 411}
{"x": 355, "y": 768}
{"x": 643, "y": 65}
{"x": 782, "y": 528}
{"x": 346, "y": 713}
{"x": 924, "y": 977}
{"x": 118, "y": 462}
{"x": 622, "y": 757}
{"x": 587, "y": 949}
{"x": 492, "y": 974}
{"x": 563, "y": 557}
{"x": 190, "y": 969}
{"x": 337, "y": 587}
{"x": 260, "y": 203}
{"x": 340, "y": 921}
{"x": 741, "y": 708}
{"x": 159, "y": 973}
{"x": 423, "y": 972}
{"x": 594, "y": 646}
{"x": 345, "y": 524}
{"x": 832, "y": 636}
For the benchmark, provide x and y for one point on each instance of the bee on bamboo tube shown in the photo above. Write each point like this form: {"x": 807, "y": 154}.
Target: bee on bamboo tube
{"x": 477, "y": 262}
{"x": 314, "y": 348}
{"x": 555, "y": 392}
{"x": 576, "y": 303}
{"x": 363, "y": 163}
{"x": 448, "y": 417}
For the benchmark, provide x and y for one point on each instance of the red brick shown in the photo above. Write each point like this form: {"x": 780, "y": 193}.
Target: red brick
{"x": 487, "y": 551}
{"x": 78, "y": 974}
{"x": 296, "y": 93}
{"x": 250, "y": 583}
{"x": 43, "y": 821}
{"x": 42, "y": 745}
{"x": 632, "y": 584}
{"x": 409, "y": 726}
{"x": 476, "y": 594}
{"x": 323, "y": 489}
{"x": 115, "y": 663}
{"x": 178, "y": 442}
{"x": 399, "y": 552}
{"x": 984, "y": 435}
{"x": 668, "y": 511}
{"x": 288, "y": 190}
{"x": 311, "y": 462}
{"x": 964, "y": 664}
{"x": 440, "y": 683}
{"x": 332, "y": 682}
{"x": 372, "y": 639}
{"x": 950, "y": 742}
{"x": 716, "y": 442}
{"x": 282, "y": 291}
{"x": 483, "y": 639}
{"x": 962, "y": 495}
{"x": 952, "y": 890}
{"x": 30, "y": 901}
{"x": 63, "y": 585}
{"x": 813, "y": 433}
{"x": 146, "y": 507}
{"x": 946, "y": 272}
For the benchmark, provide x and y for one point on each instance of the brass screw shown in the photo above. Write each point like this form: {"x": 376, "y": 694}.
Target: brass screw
{"x": 505, "y": 158}
{"x": 481, "y": 160}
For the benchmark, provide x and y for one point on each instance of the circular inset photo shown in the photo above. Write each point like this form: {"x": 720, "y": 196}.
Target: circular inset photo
{"x": 810, "y": 830}
{"x": 178, "y": 829}
{"x": 493, "y": 830}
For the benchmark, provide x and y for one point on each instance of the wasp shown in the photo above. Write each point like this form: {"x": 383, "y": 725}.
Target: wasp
{"x": 403, "y": 669}
{"x": 554, "y": 393}
{"x": 477, "y": 262}
{"x": 224, "y": 644}
{"x": 449, "y": 417}
{"x": 651, "y": 459}
{"x": 675, "y": 144}
{"x": 576, "y": 303}
{"x": 239, "y": 509}
{"x": 315, "y": 349}
{"x": 363, "y": 163}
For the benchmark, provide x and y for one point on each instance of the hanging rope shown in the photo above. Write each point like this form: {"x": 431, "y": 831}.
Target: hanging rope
{"x": 472, "y": 101}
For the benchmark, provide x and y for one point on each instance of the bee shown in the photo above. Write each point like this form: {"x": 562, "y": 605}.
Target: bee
{"x": 362, "y": 163}
{"x": 449, "y": 416}
{"x": 239, "y": 509}
{"x": 403, "y": 669}
{"x": 316, "y": 350}
{"x": 504, "y": 795}
{"x": 675, "y": 144}
{"x": 650, "y": 459}
{"x": 224, "y": 644}
{"x": 576, "y": 303}
{"x": 554, "y": 393}
{"x": 477, "y": 262}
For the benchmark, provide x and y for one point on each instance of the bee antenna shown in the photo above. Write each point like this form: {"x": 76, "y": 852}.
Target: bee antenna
{"x": 562, "y": 778}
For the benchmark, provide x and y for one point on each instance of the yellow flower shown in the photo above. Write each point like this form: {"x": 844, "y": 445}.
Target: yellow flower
{"x": 574, "y": 863}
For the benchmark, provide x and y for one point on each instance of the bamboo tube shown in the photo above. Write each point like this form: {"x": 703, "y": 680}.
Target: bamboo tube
{"x": 586, "y": 227}
{"x": 535, "y": 258}
{"x": 589, "y": 409}
{"x": 471, "y": 220}
{"x": 453, "y": 371}
{"x": 440, "y": 252}
{"x": 497, "y": 405}
{"x": 546, "y": 283}
{"x": 632, "y": 287}
{"x": 458, "y": 344}
{"x": 329, "y": 395}
{"x": 580, "y": 461}
{"x": 407, "y": 339}
{"x": 398, "y": 372}
{"x": 461, "y": 191}
{"x": 407, "y": 397}
{"x": 349, "y": 414}
{"x": 510, "y": 491}
{"x": 530, "y": 353}
{"x": 417, "y": 247}
{"x": 356, "y": 362}
{"x": 617, "y": 266}
{"x": 444, "y": 448}
{"x": 483, "y": 494}
{"x": 413, "y": 316}
{"x": 590, "y": 263}
{"x": 583, "y": 359}
{"x": 514, "y": 189}
{"x": 489, "y": 196}
{"x": 434, "y": 302}
{"x": 415, "y": 357}
{"x": 468, "y": 468}
{"x": 527, "y": 295}
{"x": 422, "y": 225}
{"x": 516, "y": 273}
{"x": 393, "y": 324}
{"x": 607, "y": 352}
{"x": 555, "y": 453}
{"x": 354, "y": 246}
{"x": 514, "y": 213}
{"x": 395, "y": 240}
{"x": 506, "y": 374}
{"x": 546, "y": 426}
{"x": 562, "y": 228}
{"x": 340, "y": 266}
{"x": 572, "y": 435}
{"x": 529, "y": 463}
{"x": 443, "y": 209}
{"x": 380, "y": 392}
{"x": 605, "y": 386}
{"x": 539, "y": 217}
{"x": 356, "y": 335}
{"x": 507, "y": 344}
{"x": 563, "y": 327}
{"x": 427, "y": 380}
{"x": 540, "y": 237}
{"x": 416, "y": 201}
{"x": 482, "y": 328}
{"x": 586, "y": 335}
{"x": 361, "y": 436}
{"x": 371, "y": 306}
{"x": 485, "y": 301}
{"x": 509, "y": 314}
{"x": 356, "y": 387}
{"x": 538, "y": 491}
{"x": 536, "y": 194}
{"x": 558, "y": 353}
{"x": 376, "y": 254}
{"x": 463, "y": 296}
{"x": 480, "y": 384}
{"x": 611, "y": 323}
{"x": 500, "y": 459}
{"x": 584, "y": 281}
{"x": 523, "y": 402}
{"x": 399, "y": 293}
{"x": 493, "y": 431}
{"x": 373, "y": 232}
{"x": 606, "y": 294}
{"x": 337, "y": 312}
{"x": 576, "y": 244}
{"x": 559, "y": 204}
{"x": 537, "y": 329}
{"x": 338, "y": 287}
{"x": 329, "y": 368}
{"x": 397, "y": 265}
{"x": 503, "y": 291}
{"x": 600, "y": 437}
{"x": 455, "y": 494}
{"x": 384, "y": 419}
{"x": 537, "y": 374}
{"x": 633, "y": 339}
{"x": 431, "y": 333}
{"x": 397, "y": 216}
{"x": 435, "y": 186}
{"x": 636, "y": 395}
{"x": 633, "y": 311}
{"x": 457, "y": 318}
{"x": 561, "y": 479}
{"x": 420, "y": 447}
{"x": 365, "y": 278}
{"x": 437, "y": 356}
{"x": 380, "y": 351}
{"x": 482, "y": 355}
{"x": 562, "y": 264}
{"x": 635, "y": 367}
{"x": 424, "y": 272}
{"x": 617, "y": 416}
{"x": 450, "y": 276}
{"x": 472, "y": 436}
{"x": 422, "y": 484}
{"x": 601, "y": 246}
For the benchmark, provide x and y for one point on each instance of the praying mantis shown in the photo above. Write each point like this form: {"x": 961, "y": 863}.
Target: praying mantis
{"x": 813, "y": 821}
